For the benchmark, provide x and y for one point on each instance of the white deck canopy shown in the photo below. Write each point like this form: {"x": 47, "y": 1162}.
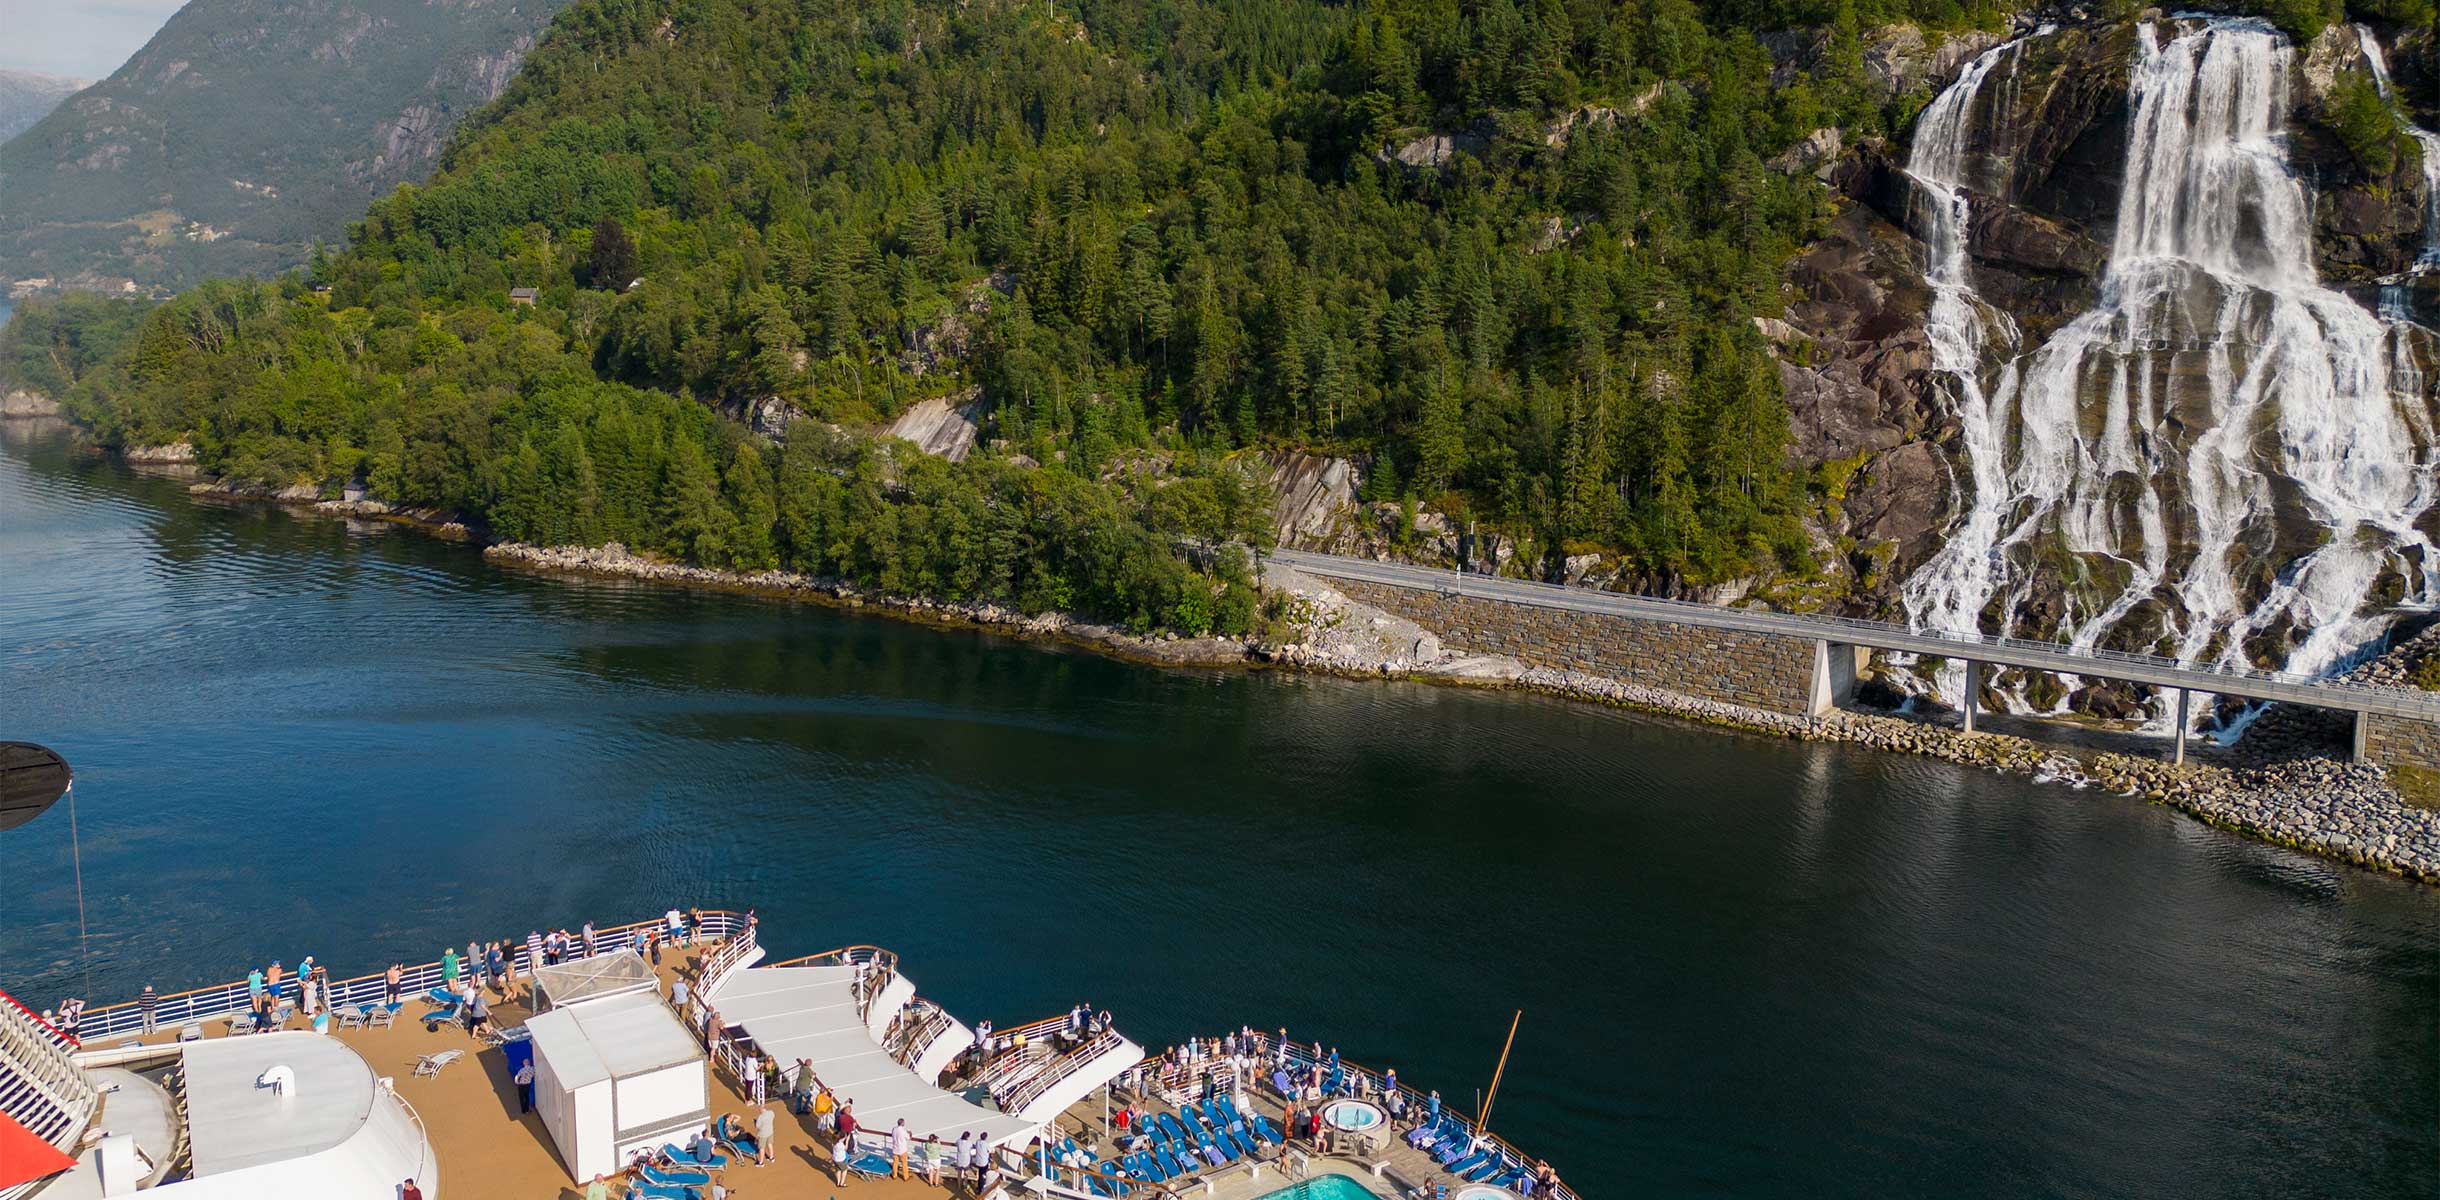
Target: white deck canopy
{"x": 810, "y": 1013}
{"x": 615, "y": 973}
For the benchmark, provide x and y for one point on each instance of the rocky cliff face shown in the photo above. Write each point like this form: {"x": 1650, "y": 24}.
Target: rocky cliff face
{"x": 247, "y": 130}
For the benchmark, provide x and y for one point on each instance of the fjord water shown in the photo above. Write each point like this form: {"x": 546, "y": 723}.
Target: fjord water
{"x": 1748, "y": 968}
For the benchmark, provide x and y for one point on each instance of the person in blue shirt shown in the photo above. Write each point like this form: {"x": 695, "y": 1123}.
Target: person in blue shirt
{"x": 1432, "y": 1104}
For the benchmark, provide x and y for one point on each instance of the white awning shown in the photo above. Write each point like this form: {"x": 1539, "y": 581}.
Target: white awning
{"x": 810, "y": 1013}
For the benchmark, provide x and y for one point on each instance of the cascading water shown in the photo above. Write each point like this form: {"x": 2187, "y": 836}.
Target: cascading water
{"x": 1959, "y": 325}
{"x": 2215, "y": 401}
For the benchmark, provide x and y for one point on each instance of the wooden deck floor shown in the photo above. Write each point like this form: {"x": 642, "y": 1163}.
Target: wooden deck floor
{"x": 488, "y": 1152}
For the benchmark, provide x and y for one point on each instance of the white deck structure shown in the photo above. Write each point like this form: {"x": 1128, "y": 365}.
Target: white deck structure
{"x": 330, "y": 1129}
{"x": 810, "y": 1013}
{"x": 614, "y": 1074}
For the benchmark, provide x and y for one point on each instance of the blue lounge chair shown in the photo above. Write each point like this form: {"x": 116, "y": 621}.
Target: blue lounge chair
{"x": 682, "y": 1154}
{"x": 1169, "y": 1122}
{"x": 1464, "y": 1166}
{"x": 660, "y": 1191}
{"x": 1263, "y": 1126}
{"x": 1483, "y": 1172}
{"x": 672, "y": 1176}
{"x": 1168, "y": 1162}
{"x": 1140, "y": 1165}
{"x": 734, "y": 1135}
{"x": 1211, "y": 1153}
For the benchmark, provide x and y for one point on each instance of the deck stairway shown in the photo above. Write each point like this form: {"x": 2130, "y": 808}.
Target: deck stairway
{"x": 41, "y": 1087}
{"x": 1062, "y": 1079}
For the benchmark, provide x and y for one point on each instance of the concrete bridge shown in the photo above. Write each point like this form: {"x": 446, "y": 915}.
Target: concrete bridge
{"x": 2391, "y": 724}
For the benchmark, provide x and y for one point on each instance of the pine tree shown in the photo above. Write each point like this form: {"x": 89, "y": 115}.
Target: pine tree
{"x": 699, "y": 524}
{"x": 748, "y": 492}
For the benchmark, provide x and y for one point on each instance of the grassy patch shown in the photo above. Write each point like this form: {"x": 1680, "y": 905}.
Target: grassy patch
{"x": 2418, "y": 786}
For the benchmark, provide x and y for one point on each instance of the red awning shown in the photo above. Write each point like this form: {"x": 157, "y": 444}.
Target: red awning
{"x": 24, "y": 1157}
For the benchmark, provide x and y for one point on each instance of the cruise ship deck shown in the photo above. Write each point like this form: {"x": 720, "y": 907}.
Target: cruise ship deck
{"x": 850, "y": 1014}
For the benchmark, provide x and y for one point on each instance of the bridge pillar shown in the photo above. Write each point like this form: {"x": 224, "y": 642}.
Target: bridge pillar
{"x": 2358, "y": 749}
{"x": 1974, "y": 672}
{"x": 1834, "y": 675}
{"x": 2183, "y": 697}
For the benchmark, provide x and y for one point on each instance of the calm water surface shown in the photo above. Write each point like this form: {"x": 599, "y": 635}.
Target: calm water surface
{"x": 1748, "y": 968}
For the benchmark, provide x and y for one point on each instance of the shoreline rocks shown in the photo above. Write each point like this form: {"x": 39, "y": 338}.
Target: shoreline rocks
{"x": 19, "y": 403}
{"x": 174, "y": 454}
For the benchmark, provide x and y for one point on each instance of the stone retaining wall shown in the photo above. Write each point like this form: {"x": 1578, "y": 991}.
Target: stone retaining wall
{"x": 2397, "y": 742}
{"x": 1729, "y": 666}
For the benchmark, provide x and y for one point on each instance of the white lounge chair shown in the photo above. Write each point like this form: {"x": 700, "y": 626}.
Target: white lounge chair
{"x": 429, "y": 1065}
{"x": 351, "y": 1017}
{"x": 380, "y": 1016}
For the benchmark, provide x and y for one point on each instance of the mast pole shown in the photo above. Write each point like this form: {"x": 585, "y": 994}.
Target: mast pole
{"x": 1484, "y": 1125}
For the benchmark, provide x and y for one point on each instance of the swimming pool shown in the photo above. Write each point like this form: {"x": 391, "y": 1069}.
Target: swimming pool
{"x": 1480, "y": 1192}
{"x": 1323, "y": 1187}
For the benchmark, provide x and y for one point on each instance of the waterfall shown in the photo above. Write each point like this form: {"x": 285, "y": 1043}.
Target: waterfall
{"x": 1959, "y": 324}
{"x": 2426, "y": 139}
{"x": 2214, "y": 401}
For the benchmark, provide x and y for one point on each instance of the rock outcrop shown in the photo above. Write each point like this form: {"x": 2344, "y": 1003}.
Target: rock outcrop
{"x": 19, "y": 403}
{"x": 944, "y": 426}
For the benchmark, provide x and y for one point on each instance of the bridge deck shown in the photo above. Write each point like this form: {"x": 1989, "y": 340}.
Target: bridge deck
{"x": 2014, "y": 652}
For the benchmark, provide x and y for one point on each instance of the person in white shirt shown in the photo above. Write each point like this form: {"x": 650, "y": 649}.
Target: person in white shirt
{"x": 902, "y": 1142}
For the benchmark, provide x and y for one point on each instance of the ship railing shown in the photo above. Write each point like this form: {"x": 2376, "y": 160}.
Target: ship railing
{"x": 881, "y": 967}
{"x": 1059, "y": 1067}
{"x": 50, "y": 1032}
{"x": 423, "y": 1140}
{"x": 1003, "y": 1066}
{"x": 724, "y": 958}
{"x": 703, "y": 1015}
{"x": 229, "y": 999}
{"x": 40, "y": 1084}
{"x": 908, "y": 1040}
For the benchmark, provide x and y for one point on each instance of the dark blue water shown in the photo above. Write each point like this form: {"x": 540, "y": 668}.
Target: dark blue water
{"x": 1747, "y": 967}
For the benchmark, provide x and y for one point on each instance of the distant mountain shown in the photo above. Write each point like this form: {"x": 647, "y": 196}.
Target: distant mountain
{"x": 247, "y": 130}
{"x": 27, "y": 96}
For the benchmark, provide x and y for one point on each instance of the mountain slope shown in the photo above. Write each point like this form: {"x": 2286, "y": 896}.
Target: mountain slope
{"x": 246, "y": 130}
{"x": 28, "y": 96}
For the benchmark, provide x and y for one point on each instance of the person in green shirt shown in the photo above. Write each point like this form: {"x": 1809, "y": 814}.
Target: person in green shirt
{"x": 449, "y": 968}
{"x": 599, "y": 1189}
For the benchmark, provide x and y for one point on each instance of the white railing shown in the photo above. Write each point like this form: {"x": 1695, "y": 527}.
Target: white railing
{"x": 40, "y": 1083}
{"x": 1060, "y": 1066}
{"x": 230, "y": 999}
